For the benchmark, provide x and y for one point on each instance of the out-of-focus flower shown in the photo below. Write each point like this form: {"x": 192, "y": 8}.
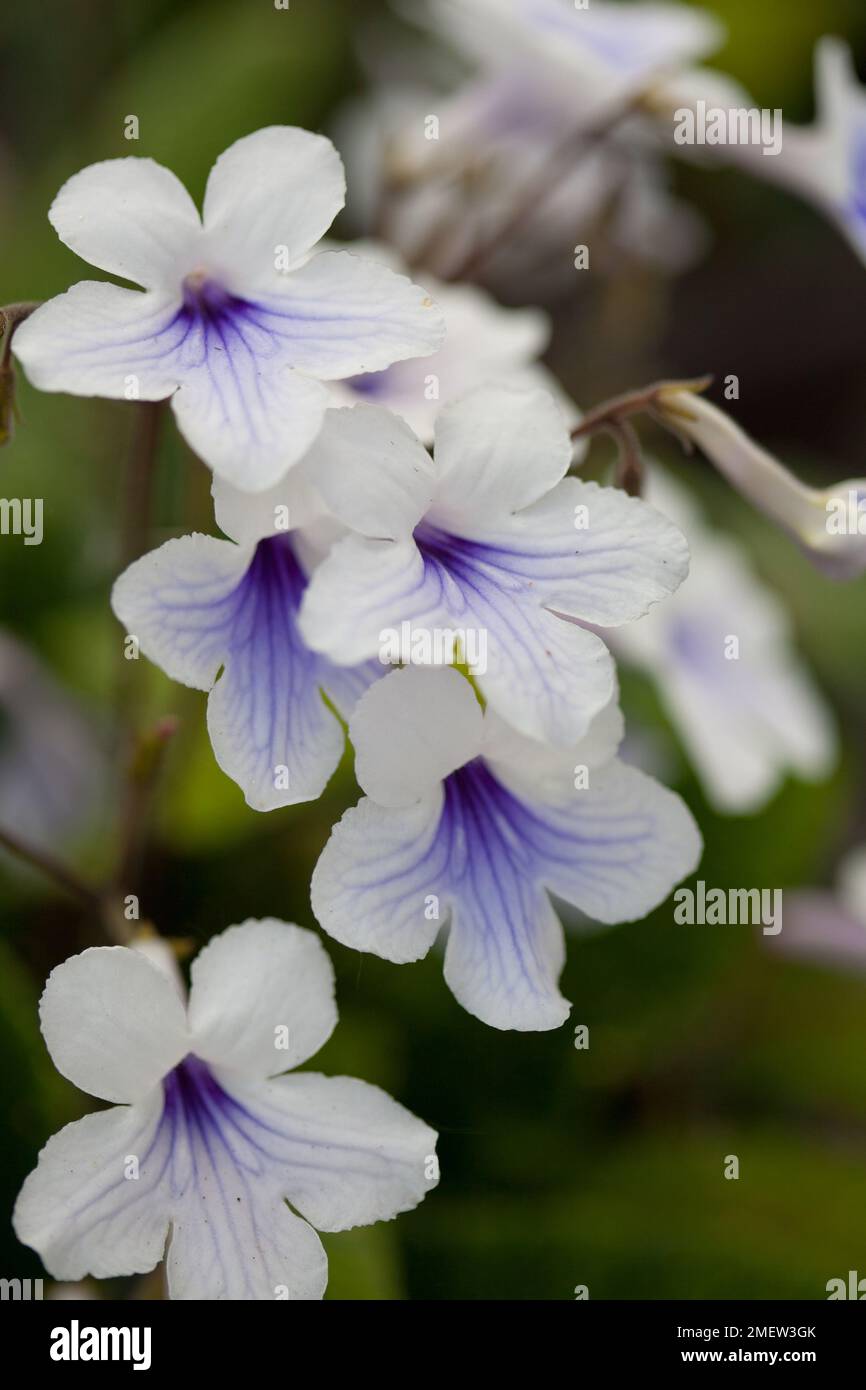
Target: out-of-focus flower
{"x": 492, "y": 540}
{"x": 828, "y": 523}
{"x": 52, "y": 766}
{"x": 221, "y": 616}
{"x": 470, "y": 824}
{"x": 485, "y": 344}
{"x": 238, "y": 322}
{"x": 721, "y": 655}
{"x": 594, "y": 57}
{"x": 829, "y": 928}
{"x": 210, "y": 1140}
{"x": 826, "y": 162}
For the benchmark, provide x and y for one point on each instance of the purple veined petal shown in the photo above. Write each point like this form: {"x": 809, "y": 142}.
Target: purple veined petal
{"x": 216, "y": 1159}
{"x": 480, "y": 858}
{"x": 224, "y": 618}
{"x": 546, "y": 676}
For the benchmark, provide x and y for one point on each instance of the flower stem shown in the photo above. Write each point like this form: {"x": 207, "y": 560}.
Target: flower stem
{"x": 613, "y": 417}
{"x": 60, "y": 874}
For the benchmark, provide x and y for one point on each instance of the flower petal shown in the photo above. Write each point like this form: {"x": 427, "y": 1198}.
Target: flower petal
{"x": 179, "y": 601}
{"x": 411, "y": 730}
{"x": 100, "y": 340}
{"x": 246, "y": 413}
{"x": 616, "y": 848}
{"x": 262, "y": 998}
{"x": 83, "y": 1211}
{"x": 496, "y": 451}
{"x": 362, "y": 592}
{"x": 248, "y": 517}
{"x": 595, "y": 553}
{"x": 376, "y": 883}
{"x": 353, "y": 1156}
{"x": 113, "y": 1023}
{"x": 131, "y": 217}
{"x": 279, "y": 187}
{"x": 339, "y": 315}
{"x": 371, "y": 470}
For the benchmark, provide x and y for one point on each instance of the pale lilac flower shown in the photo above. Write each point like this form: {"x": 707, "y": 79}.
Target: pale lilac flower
{"x": 238, "y": 323}
{"x": 469, "y": 824}
{"x": 597, "y": 56}
{"x": 829, "y": 524}
{"x": 491, "y": 538}
{"x": 222, "y": 616}
{"x": 485, "y": 343}
{"x": 207, "y": 1142}
{"x": 722, "y": 657}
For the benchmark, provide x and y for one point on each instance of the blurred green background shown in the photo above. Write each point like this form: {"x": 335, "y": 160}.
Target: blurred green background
{"x": 560, "y": 1167}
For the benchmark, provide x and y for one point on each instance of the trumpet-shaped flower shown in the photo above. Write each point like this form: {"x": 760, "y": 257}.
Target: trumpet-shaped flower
{"x": 222, "y": 616}
{"x": 829, "y": 524}
{"x": 722, "y": 656}
{"x": 206, "y": 1138}
{"x": 237, "y": 322}
{"x": 468, "y": 823}
{"x": 491, "y": 541}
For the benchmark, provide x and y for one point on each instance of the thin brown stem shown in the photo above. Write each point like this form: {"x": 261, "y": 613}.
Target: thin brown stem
{"x": 102, "y": 905}
{"x": 648, "y": 400}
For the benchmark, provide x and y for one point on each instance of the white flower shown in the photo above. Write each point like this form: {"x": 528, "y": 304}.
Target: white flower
{"x": 485, "y": 343}
{"x": 828, "y": 523}
{"x": 721, "y": 655}
{"x": 237, "y": 322}
{"x": 490, "y": 539}
{"x": 221, "y": 616}
{"x": 209, "y": 1140}
{"x": 596, "y": 56}
{"x": 470, "y": 824}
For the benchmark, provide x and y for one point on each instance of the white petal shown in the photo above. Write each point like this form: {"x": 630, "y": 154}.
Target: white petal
{"x": 496, "y": 451}
{"x": 354, "y": 1156}
{"x": 113, "y": 1023}
{"x": 617, "y": 848}
{"x": 179, "y": 602}
{"x": 411, "y": 730}
{"x": 249, "y": 416}
{"x": 372, "y": 886}
{"x": 361, "y": 593}
{"x": 543, "y": 767}
{"x": 100, "y": 340}
{"x": 505, "y": 954}
{"x": 339, "y": 315}
{"x": 81, "y": 1209}
{"x": 132, "y": 218}
{"x": 622, "y": 558}
{"x": 227, "y": 1245}
{"x": 248, "y": 517}
{"x": 371, "y": 470}
{"x": 262, "y": 998}
{"x": 279, "y": 187}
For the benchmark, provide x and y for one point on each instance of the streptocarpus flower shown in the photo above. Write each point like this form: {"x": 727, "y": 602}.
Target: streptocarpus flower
{"x": 828, "y": 928}
{"x": 221, "y": 616}
{"x": 596, "y": 56}
{"x": 484, "y": 343}
{"x": 207, "y": 1138}
{"x": 722, "y": 656}
{"x": 237, "y": 322}
{"x": 829, "y": 524}
{"x": 490, "y": 539}
{"x": 466, "y": 822}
